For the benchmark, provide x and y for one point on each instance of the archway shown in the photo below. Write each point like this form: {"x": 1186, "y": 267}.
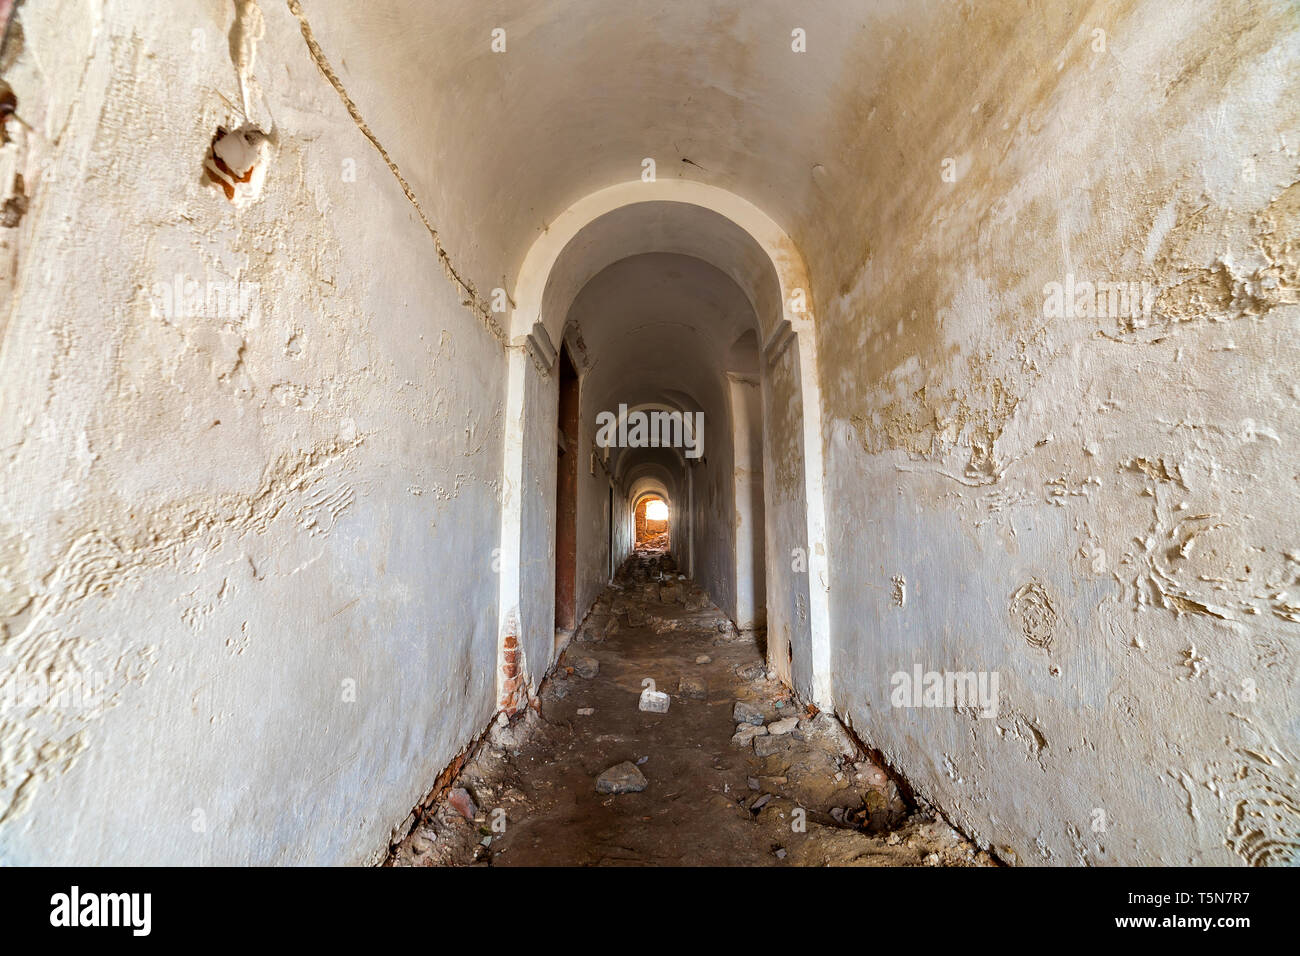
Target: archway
{"x": 652, "y": 527}
{"x": 732, "y": 236}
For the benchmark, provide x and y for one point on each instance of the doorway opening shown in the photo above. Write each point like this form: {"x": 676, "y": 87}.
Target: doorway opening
{"x": 566, "y": 495}
{"x": 652, "y": 525}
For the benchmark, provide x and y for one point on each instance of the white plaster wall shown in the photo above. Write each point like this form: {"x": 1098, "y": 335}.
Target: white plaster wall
{"x": 745, "y": 401}
{"x": 593, "y": 520}
{"x": 713, "y": 516}
{"x": 1102, "y": 511}
{"x": 789, "y": 636}
{"x": 537, "y": 563}
{"x": 229, "y": 518}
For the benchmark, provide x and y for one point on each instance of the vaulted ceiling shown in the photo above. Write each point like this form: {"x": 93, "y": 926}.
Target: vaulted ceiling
{"x": 496, "y": 144}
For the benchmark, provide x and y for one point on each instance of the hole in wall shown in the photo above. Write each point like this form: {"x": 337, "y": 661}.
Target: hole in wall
{"x": 14, "y": 191}
{"x": 8, "y": 108}
{"x": 237, "y": 161}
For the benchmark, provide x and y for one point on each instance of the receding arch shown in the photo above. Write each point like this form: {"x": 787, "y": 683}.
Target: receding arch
{"x": 722, "y": 229}
{"x": 729, "y": 232}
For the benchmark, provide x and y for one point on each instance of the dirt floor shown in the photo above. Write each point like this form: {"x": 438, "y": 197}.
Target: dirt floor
{"x": 799, "y": 793}
{"x": 653, "y": 541}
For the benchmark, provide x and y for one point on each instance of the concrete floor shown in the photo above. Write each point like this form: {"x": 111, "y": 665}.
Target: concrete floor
{"x": 707, "y": 800}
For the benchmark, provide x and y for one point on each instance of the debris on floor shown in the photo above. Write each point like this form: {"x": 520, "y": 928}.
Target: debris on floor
{"x": 736, "y": 773}
{"x": 653, "y": 701}
{"x": 621, "y": 778}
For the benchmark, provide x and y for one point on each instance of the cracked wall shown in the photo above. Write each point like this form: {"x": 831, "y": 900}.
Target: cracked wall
{"x": 1093, "y": 499}
{"x": 252, "y": 399}
{"x": 250, "y": 422}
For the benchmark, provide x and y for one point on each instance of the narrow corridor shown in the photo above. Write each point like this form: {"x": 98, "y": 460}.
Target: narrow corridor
{"x": 371, "y": 373}
{"x": 717, "y": 789}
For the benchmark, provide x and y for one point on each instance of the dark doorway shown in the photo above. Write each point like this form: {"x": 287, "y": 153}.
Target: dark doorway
{"x": 566, "y": 494}
{"x": 609, "y": 527}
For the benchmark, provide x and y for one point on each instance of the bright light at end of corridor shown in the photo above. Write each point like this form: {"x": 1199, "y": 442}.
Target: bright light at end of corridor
{"x": 656, "y": 511}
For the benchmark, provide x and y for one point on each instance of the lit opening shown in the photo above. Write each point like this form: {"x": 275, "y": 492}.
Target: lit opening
{"x": 656, "y": 511}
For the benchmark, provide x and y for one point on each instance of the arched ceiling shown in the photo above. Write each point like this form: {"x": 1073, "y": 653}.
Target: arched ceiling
{"x": 497, "y": 144}
{"x": 654, "y": 477}
{"x": 658, "y": 328}
{"x": 655, "y": 324}
{"x": 647, "y": 490}
{"x": 670, "y": 227}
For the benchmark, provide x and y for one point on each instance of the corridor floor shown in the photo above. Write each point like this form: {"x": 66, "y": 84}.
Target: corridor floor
{"x": 803, "y": 795}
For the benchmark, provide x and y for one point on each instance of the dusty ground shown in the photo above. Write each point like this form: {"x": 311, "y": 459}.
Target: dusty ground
{"x": 652, "y": 541}
{"x": 709, "y": 799}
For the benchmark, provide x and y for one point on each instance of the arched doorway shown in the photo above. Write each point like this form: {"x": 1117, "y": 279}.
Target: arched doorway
{"x": 766, "y": 393}
{"x": 652, "y": 533}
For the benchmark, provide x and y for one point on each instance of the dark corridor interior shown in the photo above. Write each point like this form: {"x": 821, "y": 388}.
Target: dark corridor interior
{"x": 566, "y": 494}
